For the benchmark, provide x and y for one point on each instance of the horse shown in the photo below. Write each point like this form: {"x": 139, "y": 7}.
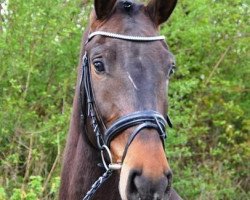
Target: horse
{"x": 115, "y": 146}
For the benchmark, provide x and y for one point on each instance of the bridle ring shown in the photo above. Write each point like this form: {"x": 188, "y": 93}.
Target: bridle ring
{"x": 105, "y": 148}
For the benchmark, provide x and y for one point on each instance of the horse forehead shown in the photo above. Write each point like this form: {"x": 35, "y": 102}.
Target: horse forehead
{"x": 134, "y": 54}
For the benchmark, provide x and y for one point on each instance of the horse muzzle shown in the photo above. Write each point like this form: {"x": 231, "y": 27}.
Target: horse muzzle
{"x": 145, "y": 173}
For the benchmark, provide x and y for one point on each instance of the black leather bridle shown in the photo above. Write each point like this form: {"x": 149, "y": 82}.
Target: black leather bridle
{"x": 140, "y": 120}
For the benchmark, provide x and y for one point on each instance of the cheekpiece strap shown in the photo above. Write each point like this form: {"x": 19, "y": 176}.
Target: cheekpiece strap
{"x": 90, "y": 103}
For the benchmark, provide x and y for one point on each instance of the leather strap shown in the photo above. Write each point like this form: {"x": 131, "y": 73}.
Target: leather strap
{"x": 126, "y": 37}
{"x": 135, "y": 119}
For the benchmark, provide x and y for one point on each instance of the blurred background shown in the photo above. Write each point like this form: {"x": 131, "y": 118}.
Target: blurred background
{"x": 209, "y": 95}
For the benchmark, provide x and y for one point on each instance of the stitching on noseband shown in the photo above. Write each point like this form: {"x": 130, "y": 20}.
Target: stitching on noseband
{"x": 140, "y": 120}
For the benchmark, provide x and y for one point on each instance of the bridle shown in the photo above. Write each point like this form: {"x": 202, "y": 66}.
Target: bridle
{"x": 140, "y": 119}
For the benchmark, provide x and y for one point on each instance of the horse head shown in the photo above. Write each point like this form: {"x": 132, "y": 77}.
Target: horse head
{"x": 132, "y": 76}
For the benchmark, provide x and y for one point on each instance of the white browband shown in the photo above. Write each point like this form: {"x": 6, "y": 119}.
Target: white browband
{"x": 126, "y": 37}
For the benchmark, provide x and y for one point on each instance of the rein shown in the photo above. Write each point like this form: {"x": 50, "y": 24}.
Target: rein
{"x": 140, "y": 120}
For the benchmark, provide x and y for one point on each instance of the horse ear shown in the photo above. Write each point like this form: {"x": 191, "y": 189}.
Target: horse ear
{"x": 160, "y": 10}
{"x": 103, "y": 8}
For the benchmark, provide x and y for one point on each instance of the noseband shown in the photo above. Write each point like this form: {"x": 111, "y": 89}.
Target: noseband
{"x": 140, "y": 120}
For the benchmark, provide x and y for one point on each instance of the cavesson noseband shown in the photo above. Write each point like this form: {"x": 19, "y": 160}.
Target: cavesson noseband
{"x": 140, "y": 120}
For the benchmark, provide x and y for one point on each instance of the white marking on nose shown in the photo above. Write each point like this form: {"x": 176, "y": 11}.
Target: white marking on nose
{"x": 129, "y": 77}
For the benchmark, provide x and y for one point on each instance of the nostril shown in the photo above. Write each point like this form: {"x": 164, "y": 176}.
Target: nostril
{"x": 132, "y": 177}
{"x": 169, "y": 175}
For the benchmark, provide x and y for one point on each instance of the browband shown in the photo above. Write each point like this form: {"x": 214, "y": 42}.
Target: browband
{"x": 126, "y": 37}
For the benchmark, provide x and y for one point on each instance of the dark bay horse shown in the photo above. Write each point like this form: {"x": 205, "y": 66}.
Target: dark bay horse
{"x": 119, "y": 104}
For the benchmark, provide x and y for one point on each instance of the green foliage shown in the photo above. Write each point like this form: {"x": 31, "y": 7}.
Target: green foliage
{"x": 2, "y": 193}
{"x": 209, "y": 98}
{"x": 39, "y": 47}
{"x": 17, "y": 194}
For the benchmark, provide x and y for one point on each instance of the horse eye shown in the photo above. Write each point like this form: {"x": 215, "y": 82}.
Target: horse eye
{"x": 172, "y": 69}
{"x": 99, "y": 66}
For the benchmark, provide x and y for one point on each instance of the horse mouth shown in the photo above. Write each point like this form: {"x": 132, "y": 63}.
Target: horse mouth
{"x": 149, "y": 197}
{"x": 155, "y": 196}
